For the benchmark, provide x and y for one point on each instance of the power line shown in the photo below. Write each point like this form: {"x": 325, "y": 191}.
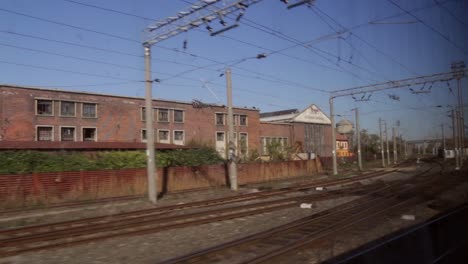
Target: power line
{"x": 430, "y": 27}
{"x": 366, "y": 42}
{"x": 67, "y": 71}
{"x": 441, "y": 6}
{"x": 297, "y": 43}
{"x": 109, "y": 10}
{"x": 283, "y": 36}
{"x": 101, "y": 62}
{"x": 343, "y": 29}
{"x": 123, "y": 66}
{"x": 211, "y": 60}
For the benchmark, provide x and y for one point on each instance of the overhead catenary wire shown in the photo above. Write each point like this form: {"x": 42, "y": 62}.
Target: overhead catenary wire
{"x": 135, "y": 41}
{"x": 461, "y": 49}
{"x": 441, "y": 6}
{"x": 343, "y": 28}
{"x": 132, "y": 14}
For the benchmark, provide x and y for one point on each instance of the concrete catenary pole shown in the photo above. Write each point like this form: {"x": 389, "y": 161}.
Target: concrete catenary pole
{"x": 333, "y": 132}
{"x": 394, "y": 145}
{"x": 443, "y": 141}
{"x": 232, "y": 146}
{"x": 459, "y": 142}
{"x": 358, "y": 133}
{"x": 461, "y": 122}
{"x": 455, "y": 139}
{"x": 381, "y": 143}
{"x": 150, "y": 152}
{"x": 388, "y": 149}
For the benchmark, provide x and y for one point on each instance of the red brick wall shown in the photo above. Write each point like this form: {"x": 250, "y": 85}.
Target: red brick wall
{"x": 119, "y": 118}
{"x": 46, "y": 188}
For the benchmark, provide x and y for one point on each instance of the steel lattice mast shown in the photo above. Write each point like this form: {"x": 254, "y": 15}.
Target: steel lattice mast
{"x": 404, "y": 83}
{"x": 201, "y": 13}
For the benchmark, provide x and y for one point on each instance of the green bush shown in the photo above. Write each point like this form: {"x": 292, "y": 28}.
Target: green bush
{"x": 22, "y": 162}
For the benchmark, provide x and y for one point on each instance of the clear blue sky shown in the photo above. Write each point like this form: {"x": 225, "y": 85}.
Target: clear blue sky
{"x": 35, "y": 52}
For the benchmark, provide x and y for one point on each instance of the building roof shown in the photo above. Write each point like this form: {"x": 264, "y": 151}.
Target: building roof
{"x": 279, "y": 113}
{"x": 121, "y": 96}
{"x": 59, "y": 145}
{"x": 310, "y": 115}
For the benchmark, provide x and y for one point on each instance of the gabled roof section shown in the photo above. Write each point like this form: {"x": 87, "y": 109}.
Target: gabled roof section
{"x": 310, "y": 115}
{"x": 278, "y": 116}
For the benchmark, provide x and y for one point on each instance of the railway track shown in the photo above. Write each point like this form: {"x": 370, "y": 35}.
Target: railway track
{"x": 63, "y": 234}
{"x": 75, "y": 204}
{"x": 277, "y": 245}
{"x": 31, "y": 238}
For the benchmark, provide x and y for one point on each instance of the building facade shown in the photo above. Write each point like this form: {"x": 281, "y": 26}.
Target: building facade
{"x": 33, "y": 114}
{"x": 308, "y": 131}
{"x": 69, "y": 119}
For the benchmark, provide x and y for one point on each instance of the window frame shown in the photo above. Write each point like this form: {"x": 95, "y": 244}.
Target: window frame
{"x": 168, "y": 141}
{"x": 224, "y": 136}
{"x": 43, "y": 126}
{"x": 95, "y": 110}
{"x": 60, "y": 108}
{"x": 36, "y": 104}
{"x": 95, "y": 134}
{"x": 168, "y": 115}
{"x": 224, "y": 119}
{"x": 174, "y": 137}
{"x": 143, "y": 131}
{"x": 174, "y": 116}
{"x": 246, "y": 142}
{"x": 74, "y": 134}
{"x": 246, "y": 120}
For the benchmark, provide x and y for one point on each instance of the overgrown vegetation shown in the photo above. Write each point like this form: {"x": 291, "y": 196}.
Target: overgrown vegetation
{"x": 278, "y": 152}
{"x": 21, "y": 162}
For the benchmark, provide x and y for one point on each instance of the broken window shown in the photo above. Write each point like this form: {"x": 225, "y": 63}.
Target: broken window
{"x": 178, "y": 116}
{"x": 219, "y": 119}
{"x": 44, "y": 107}
{"x": 44, "y": 133}
{"x": 67, "y": 108}
{"x": 89, "y": 110}
{"x": 67, "y": 134}
{"x": 89, "y": 134}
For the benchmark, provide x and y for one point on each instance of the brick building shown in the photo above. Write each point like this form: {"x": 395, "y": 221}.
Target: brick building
{"x": 308, "y": 131}
{"x": 46, "y": 118}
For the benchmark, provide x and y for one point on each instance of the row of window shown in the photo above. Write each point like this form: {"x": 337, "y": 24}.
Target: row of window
{"x": 164, "y": 136}
{"x": 220, "y": 119}
{"x": 67, "y": 133}
{"x": 342, "y": 145}
{"x": 45, "y": 107}
{"x": 164, "y": 115}
{"x": 178, "y": 116}
{"x": 265, "y": 141}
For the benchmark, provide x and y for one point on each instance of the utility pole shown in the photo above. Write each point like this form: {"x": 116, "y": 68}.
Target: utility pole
{"x": 393, "y": 84}
{"x": 458, "y": 69}
{"x": 388, "y": 149}
{"x": 443, "y": 141}
{"x": 405, "y": 149}
{"x": 455, "y": 139}
{"x": 381, "y": 143}
{"x": 394, "y": 146}
{"x": 199, "y": 14}
{"x": 358, "y": 133}
{"x": 232, "y": 146}
{"x": 150, "y": 152}
{"x": 332, "y": 117}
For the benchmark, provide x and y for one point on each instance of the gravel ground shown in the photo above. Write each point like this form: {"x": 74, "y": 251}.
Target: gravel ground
{"x": 153, "y": 248}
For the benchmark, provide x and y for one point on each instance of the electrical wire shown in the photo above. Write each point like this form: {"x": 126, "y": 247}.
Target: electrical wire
{"x": 343, "y": 28}
{"x": 429, "y": 27}
{"x": 441, "y": 6}
{"x": 166, "y": 48}
{"x": 67, "y": 71}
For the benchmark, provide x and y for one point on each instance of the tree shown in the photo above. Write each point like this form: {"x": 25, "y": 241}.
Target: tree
{"x": 369, "y": 144}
